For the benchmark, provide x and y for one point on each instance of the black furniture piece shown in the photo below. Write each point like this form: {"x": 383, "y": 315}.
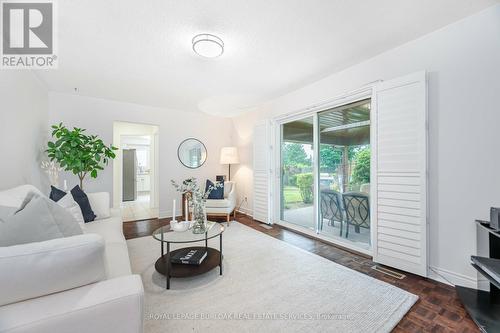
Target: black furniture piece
{"x": 357, "y": 211}
{"x": 484, "y": 306}
{"x": 331, "y": 208}
{"x": 167, "y": 236}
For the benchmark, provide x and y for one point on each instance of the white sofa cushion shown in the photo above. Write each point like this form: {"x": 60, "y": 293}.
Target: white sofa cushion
{"x": 217, "y": 203}
{"x": 219, "y": 210}
{"x": 37, "y": 269}
{"x": 100, "y": 202}
{"x": 108, "y": 229}
{"x": 116, "y": 260}
{"x": 114, "y": 305}
{"x": 116, "y": 253}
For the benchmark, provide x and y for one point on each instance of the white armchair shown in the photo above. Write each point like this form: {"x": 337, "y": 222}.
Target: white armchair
{"x": 226, "y": 206}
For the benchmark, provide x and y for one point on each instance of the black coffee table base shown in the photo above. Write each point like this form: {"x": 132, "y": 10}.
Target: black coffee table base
{"x": 213, "y": 259}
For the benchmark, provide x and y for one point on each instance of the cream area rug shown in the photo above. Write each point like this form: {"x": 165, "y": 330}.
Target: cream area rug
{"x": 267, "y": 286}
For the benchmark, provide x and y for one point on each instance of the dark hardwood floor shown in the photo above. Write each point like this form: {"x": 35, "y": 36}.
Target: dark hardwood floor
{"x": 437, "y": 310}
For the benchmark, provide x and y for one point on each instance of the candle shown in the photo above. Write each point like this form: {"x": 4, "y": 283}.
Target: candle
{"x": 173, "y": 211}
{"x": 65, "y": 185}
{"x": 187, "y": 211}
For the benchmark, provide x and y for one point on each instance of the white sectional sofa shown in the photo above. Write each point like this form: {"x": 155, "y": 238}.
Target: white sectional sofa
{"x": 75, "y": 284}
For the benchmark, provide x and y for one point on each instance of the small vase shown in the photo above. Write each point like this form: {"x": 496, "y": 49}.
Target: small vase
{"x": 199, "y": 217}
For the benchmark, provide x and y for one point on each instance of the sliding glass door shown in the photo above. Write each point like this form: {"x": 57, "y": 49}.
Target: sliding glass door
{"x": 297, "y": 178}
{"x": 338, "y": 176}
{"x": 344, "y": 173}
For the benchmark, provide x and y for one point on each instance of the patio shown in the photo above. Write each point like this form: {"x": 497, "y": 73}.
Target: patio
{"x": 305, "y": 217}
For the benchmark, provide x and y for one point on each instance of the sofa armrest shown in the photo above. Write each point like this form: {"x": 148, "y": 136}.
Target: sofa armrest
{"x": 114, "y": 305}
{"x": 115, "y": 212}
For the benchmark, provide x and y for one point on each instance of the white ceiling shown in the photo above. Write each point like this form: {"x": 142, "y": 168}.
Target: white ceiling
{"x": 140, "y": 51}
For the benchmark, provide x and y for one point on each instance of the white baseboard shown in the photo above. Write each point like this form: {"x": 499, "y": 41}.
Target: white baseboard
{"x": 245, "y": 211}
{"x": 452, "y": 278}
{"x": 165, "y": 213}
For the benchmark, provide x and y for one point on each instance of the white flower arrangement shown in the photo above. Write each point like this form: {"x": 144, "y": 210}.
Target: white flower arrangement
{"x": 52, "y": 169}
{"x": 197, "y": 198}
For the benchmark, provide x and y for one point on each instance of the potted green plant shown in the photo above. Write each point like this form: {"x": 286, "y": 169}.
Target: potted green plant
{"x": 78, "y": 152}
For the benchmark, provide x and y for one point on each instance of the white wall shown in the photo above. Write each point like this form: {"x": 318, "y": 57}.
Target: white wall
{"x": 463, "y": 62}
{"x": 98, "y": 116}
{"x": 23, "y": 128}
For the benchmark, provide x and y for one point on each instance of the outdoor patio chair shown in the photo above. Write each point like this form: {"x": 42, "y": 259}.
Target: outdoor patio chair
{"x": 331, "y": 208}
{"x": 357, "y": 210}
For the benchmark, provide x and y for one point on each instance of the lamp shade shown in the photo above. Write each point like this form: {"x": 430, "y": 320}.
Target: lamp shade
{"x": 229, "y": 155}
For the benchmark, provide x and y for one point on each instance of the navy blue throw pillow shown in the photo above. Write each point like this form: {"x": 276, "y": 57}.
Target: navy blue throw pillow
{"x": 83, "y": 201}
{"x": 217, "y": 193}
{"x": 56, "y": 194}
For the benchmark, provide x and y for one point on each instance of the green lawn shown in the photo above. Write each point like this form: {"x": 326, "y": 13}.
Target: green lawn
{"x": 291, "y": 194}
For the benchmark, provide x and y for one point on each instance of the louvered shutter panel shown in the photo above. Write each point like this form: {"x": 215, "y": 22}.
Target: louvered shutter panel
{"x": 401, "y": 174}
{"x": 261, "y": 172}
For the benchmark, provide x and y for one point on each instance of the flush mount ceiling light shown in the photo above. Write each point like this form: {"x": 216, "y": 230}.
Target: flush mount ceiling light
{"x": 207, "y": 45}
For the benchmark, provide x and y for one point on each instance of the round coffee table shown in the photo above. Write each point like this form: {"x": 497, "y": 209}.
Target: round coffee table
{"x": 167, "y": 236}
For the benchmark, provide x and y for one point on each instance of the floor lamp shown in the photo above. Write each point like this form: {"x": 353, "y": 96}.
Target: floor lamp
{"x": 229, "y": 155}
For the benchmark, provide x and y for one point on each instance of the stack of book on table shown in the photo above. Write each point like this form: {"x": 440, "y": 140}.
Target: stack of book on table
{"x": 189, "y": 256}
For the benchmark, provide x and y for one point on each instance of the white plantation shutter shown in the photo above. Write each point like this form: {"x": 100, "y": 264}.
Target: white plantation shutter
{"x": 261, "y": 172}
{"x": 400, "y": 157}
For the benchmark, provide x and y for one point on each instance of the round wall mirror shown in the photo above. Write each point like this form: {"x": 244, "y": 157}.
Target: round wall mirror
{"x": 192, "y": 153}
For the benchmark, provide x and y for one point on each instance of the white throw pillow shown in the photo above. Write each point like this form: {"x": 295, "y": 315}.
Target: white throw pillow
{"x": 42, "y": 268}
{"x": 99, "y": 202}
{"x": 72, "y": 207}
{"x": 39, "y": 219}
{"x": 14, "y": 197}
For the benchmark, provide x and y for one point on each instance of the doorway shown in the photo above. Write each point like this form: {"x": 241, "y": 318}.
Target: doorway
{"x": 325, "y": 174}
{"x": 136, "y": 170}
